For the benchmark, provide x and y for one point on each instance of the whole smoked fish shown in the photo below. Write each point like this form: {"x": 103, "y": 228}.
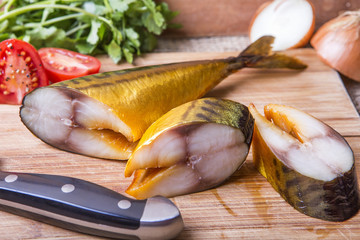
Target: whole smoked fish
{"x": 103, "y": 115}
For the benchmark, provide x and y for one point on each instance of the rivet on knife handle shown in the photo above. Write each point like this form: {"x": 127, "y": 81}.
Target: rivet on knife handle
{"x": 82, "y": 206}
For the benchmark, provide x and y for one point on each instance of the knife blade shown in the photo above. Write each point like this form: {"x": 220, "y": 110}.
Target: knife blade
{"x": 82, "y": 206}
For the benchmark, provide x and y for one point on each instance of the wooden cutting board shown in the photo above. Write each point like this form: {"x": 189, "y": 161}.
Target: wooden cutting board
{"x": 245, "y": 206}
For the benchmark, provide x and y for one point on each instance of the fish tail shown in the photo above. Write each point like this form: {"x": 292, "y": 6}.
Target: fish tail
{"x": 259, "y": 55}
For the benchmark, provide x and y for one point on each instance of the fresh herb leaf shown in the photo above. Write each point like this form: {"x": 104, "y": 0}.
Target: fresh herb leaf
{"x": 148, "y": 41}
{"x": 128, "y": 54}
{"x": 120, "y": 28}
{"x": 93, "y": 37}
{"x": 133, "y": 37}
{"x": 114, "y": 51}
{"x": 82, "y": 46}
{"x": 121, "y": 5}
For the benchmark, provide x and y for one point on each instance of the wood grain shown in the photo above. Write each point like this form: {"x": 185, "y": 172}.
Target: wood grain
{"x": 245, "y": 206}
{"x": 232, "y": 17}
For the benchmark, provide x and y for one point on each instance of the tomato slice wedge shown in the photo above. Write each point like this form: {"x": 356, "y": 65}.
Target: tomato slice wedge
{"x": 21, "y": 70}
{"x": 61, "y": 64}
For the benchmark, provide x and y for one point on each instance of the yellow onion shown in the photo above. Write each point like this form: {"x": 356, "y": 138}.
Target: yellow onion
{"x": 337, "y": 43}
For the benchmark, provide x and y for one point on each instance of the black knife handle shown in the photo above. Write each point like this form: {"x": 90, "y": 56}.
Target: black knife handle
{"x": 86, "y": 207}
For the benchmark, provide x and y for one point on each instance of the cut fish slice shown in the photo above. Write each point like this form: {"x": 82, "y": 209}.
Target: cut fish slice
{"x": 72, "y": 121}
{"x": 193, "y": 147}
{"x": 306, "y": 161}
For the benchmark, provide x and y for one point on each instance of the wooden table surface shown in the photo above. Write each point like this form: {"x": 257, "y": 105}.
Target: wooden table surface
{"x": 245, "y": 206}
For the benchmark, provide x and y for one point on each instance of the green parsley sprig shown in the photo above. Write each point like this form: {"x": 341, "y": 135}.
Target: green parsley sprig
{"x": 120, "y": 28}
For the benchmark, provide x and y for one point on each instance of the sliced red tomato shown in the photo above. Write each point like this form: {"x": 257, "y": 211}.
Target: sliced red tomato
{"x": 21, "y": 71}
{"x": 61, "y": 64}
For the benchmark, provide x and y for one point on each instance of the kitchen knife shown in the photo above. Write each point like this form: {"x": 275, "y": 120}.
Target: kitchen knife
{"x": 86, "y": 207}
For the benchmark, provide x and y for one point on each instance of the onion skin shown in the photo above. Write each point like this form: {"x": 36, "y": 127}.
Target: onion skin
{"x": 305, "y": 40}
{"x": 337, "y": 43}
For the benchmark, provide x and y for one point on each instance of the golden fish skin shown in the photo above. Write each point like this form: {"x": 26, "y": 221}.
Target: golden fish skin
{"x": 133, "y": 99}
{"x": 307, "y": 162}
{"x": 193, "y": 147}
{"x": 140, "y": 96}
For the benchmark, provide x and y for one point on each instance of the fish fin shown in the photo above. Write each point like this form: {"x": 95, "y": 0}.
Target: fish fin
{"x": 261, "y": 47}
{"x": 277, "y": 60}
{"x": 259, "y": 55}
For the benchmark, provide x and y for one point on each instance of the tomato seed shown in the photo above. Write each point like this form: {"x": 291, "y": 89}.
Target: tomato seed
{"x": 28, "y": 59}
{"x": 6, "y": 92}
{"x": 34, "y": 79}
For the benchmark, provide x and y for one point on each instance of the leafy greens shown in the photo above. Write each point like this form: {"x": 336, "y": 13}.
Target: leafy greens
{"x": 120, "y": 28}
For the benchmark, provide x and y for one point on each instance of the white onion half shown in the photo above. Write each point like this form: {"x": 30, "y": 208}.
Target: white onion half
{"x": 291, "y": 22}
